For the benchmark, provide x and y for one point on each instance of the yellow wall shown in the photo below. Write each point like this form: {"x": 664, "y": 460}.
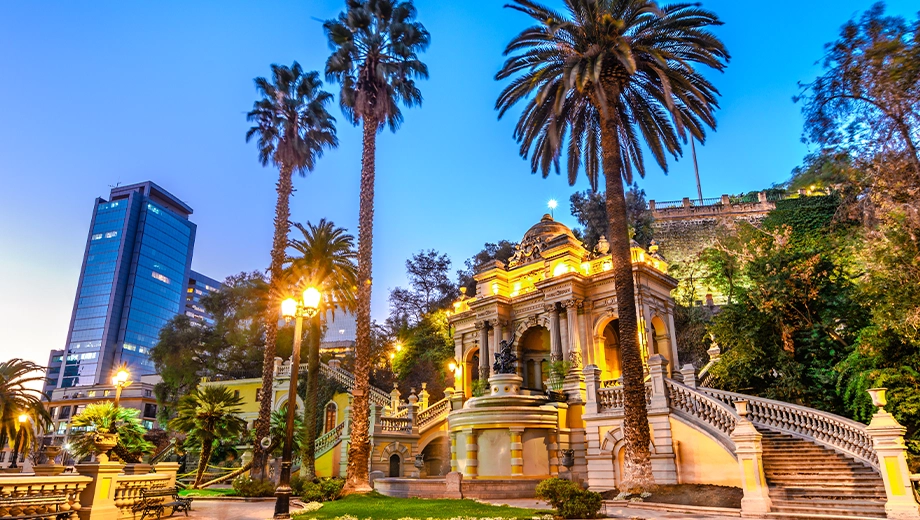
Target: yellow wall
{"x": 701, "y": 459}
{"x": 247, "y": 389}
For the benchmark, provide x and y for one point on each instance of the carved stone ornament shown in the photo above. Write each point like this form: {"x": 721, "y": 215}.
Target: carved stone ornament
{"x": 505, "y": 358}
{"x": 527, "y": 251}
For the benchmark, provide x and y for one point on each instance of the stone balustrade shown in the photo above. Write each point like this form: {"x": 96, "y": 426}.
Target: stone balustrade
{"x": 128, "y": 490}
{"x": 431, "y": 415}
{"x": 337, "y": 374}
{"x": 326, "y": 441}
{"x": 396, "y": 424}
{"x": 24, "y": 487}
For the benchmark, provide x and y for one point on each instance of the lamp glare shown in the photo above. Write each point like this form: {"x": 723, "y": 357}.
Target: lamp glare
{"x": 289, "y": 308}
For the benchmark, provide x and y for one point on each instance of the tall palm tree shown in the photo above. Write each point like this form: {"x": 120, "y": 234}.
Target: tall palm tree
{"x": 209, "y": 415}
{"x": 606, "y": 76}
{"x": 375, "y": 59}
{"x": 324, "y": 258}
{"x": 293, "y": 128}
{"x": 17, "y": 397}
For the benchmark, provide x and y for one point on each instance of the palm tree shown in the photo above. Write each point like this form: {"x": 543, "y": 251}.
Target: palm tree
{"x": 608, "y": 75}
{"x": 209, "y": 416}
{"x": 17, "y": 397}
{"x": 103, "y": 417}
{"x": 325, "y": 258}
{"x": 375, "y": 60}
{"x": 293, "y": 129}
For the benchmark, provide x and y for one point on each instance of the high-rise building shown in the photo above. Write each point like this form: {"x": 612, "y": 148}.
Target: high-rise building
{"x": 134, "y": 279}
{"x": 199, "y": 286}
{"x": 340, "y": 333}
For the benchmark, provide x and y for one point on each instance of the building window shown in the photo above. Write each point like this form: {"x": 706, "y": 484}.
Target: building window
{"x": 106, "y": 393}
{"x": 150, "y": 410}
{"x": 91, "y": 393}
{"x": 65, "y": 413}
{"x": 236, "y": 394}
{"x": 148, "y": 424}
{"x": 52, "y": 410}
{"x": 78, "y": 409}
{"x": 159, "y": 277}
{"x": 62, "y": 428}
{"x": 329, "y": 423}
{"x": 2, "y": 456}
{"x": 97, "y": 236}
{"x": 111, "y": 234}
{"x": 148, "y": 393}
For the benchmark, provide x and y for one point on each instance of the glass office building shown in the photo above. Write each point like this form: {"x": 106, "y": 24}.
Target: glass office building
{"x": 199, "y": 286}
{"x": 134, "y": 278}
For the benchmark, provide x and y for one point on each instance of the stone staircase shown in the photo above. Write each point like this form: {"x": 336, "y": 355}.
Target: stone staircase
{"x": 807, "y": 480}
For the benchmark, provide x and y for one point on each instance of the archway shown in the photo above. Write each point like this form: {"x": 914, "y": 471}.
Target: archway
{"x": 437, "y": 456}
{"x": 535, "y": 356}
{"x": 611, "y": 368}
{"x": 661, "y": 339}
{"x": 470, "y": 370}
{"x": 395, "y": 463}
{"x": 329, "y": 418}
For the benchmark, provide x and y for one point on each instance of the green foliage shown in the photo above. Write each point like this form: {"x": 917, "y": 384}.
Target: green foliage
{"x": 557, "y": 371}
{"x": 103, "y": 417}
{"x": 501, "y": 251}
{"x": 327, "y": 388}
{"x": 480, "y": 387}
{"x": 568, "y": 499}
{"x": 427, "y": 349}
{"x": 430, "y": 289}
{"x": 320, "y": 490}
{"x": 247, "y": 487}
{"x": 590, "y": 209}
{"x": 18, "y": 396}
{"x": 278, "y": 429}
{"x": 380, "y": 507}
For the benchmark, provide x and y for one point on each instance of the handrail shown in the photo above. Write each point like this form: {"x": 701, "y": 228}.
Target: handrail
{"x": 718, "y": 416}
{"x": 430, "y": 415}
{"x": 165, "y": 452}
{"x": 839, "y": 433}
{"x": 342, "y": 376}
{"x": 396, "y": 424}
{"x": 612, "y": 400}
{"x": 328, "y": 440}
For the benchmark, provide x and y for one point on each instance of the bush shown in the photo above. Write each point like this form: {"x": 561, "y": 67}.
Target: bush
{"x": 568, "y": 499}
{"x": 321, "y": 490}
{"x": 247, "y": 487}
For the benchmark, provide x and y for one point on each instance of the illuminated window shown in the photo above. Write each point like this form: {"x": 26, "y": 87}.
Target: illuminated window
{"x": 111, "y": 234}
{"x": 97, "y": 236}
{"x": 91, "y": 393}
{"x": 159, "y": 277}
{"x": 62, "y": 428}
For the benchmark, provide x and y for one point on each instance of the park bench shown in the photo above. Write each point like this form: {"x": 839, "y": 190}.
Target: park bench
{"x": 45, "y": 507}
{"x": 155, "y": 501}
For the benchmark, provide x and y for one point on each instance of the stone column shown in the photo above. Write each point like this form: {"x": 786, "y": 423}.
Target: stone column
{"x": 484, "y": 356}
{"x": 689, "y": 375}
{"x": 472, "y": 454}
{"x": 888, "y": 441}
{"x": 555, "y": 338}
{"x": 553, "y": 439}
{"x": 499, "y": 334}
{"x": 592, "y": 385}
{"x": 453, "y": 452}
{"x": 749, "y": 450}
{"x": 98, "y": 499}
{"x": 664, "y": 460}
{"x": 169, "y": 468}
{"x": 517, "y": 452}
{"x": 573, "y": 352}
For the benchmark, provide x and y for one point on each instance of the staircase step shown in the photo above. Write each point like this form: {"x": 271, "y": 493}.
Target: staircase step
{"x": 841, "y": 509}
{"x": 822, "y": 516}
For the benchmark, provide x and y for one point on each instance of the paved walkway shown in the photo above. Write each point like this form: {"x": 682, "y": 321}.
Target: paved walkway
{"x": 615, "y": 511}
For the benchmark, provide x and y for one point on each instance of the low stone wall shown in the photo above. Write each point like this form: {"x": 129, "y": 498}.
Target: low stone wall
{"x": 469, "y": 488}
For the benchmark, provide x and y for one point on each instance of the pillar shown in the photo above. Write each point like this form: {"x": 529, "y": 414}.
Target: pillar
{"x": 573, "y": 353}
{"x": 592, "y": 385}
{"x": 472, "y": 454}
{"x": 749, "y": 450}
{"x": 484, "y": 356}
{"x": 553, "y": 439}
{"x": 689, "y": 375}
{"x": 517, "y": 452}
{"x": 98, "y": 498}
{"x": 888, "y": 441}
{"x": 555, "y": 337}
{"x": 453, "y": 452}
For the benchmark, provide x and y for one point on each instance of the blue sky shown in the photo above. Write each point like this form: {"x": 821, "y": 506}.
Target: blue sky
{"x": 96, "y": 93}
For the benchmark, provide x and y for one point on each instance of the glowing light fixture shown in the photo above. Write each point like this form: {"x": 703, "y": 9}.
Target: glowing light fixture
{"x": 552, "y": 204}
{"x": 560, "y": 269}
{"x": 399, "y": 347}
{"x": 289, "y": 308}
{"x": 452, "y": 366}
{"x": 495, "y": 288}
{"x": 311, "y": 297}
{"x": 23, "y": 418}
{"x": 120, "y": 378}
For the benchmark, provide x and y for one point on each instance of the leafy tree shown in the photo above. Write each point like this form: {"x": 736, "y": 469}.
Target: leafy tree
{"x": 501, "y": 251}
{"x": 427, "y": 349}
{"x": 429, "y": 289}
{"x": 103, "y": 417}
{"x": 293, "y": 128}
{"x": 600, "y": 79}
{"x": 375, "y": 46}
{"x": 590, "y": 209}
{"x": 18, "y": 396}
{"x": 209, "y": 416}
{"x": 325, "y": 259}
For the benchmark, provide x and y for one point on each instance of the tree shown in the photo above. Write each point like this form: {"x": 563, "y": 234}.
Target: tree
{"x": 429, "y": 289}
{"x": 590, "y": 209}
{"x": 325, "y": 259}
{"x": 501, "y": 251}
{"x": 293, "y": 129}
{"x": 375, "y": 46}
{"x": 103, "y": 417}
{"x": 17, "y": 397}
{"x": 209, "y": 416}
{"x": 868, "y": 99}
{"x": 605, "y": 76}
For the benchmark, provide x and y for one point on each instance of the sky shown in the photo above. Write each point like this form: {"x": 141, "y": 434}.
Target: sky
{"x": 105, "y": 92}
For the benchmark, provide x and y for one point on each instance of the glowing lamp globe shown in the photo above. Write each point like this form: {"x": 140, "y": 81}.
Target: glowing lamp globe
{"x": 23, "y": 418}
{"x": 452, "y": 367}
{"x": 121, "y": 377}
{"x": 311, "y": 297}
{"x": 289, "y": 308}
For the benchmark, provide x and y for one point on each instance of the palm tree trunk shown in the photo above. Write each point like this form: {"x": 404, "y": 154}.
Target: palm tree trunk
{"x": 239, "y": 471}
{"x": 279, "y": 245}
{"x": 308, "y": 456}
{"x": 356, "y": 479}
{"x": 638, "y": 465}
{"x": 206, "y": 448}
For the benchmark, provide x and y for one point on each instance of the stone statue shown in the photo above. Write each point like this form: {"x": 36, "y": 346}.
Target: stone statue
{"x": 505, "y": 358}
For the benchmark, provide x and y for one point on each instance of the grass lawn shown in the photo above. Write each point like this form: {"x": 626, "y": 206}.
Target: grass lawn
{"x": 379, "y": 507}
{"x": 226, "y": 492}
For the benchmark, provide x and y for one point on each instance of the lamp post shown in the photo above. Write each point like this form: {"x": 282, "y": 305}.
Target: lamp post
{"x": 120, "y": 381}
{"x": 23, "y": 419}
{"x": 297, "y": 310}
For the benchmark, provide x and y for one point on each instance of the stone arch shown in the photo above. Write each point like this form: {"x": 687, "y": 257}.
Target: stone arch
{"x": 282, "y": 400}
{"x": 607, "y": 345}
{"x": 660, "y": 343}
{"x": 330, "y": 410}
{"x": 392, "y": 448}
{"x": 533, "y": 352}
{"x": 470, "y": 369}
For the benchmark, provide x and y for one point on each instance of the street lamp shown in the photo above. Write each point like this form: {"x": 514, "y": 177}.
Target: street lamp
{"x": 293, "y": 309}
{"x": 23, "y": 419}
{"x": 120, "y": 381}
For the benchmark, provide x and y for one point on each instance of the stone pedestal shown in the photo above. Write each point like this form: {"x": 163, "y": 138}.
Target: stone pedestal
{"x": 749, "y": 449}
{"x": 137, "y": 468}
{"x": 168, "y": 468}
{"x": 48, "y": 470}
{"x": 98, "y": 499}
{"x": 888, "y": 441}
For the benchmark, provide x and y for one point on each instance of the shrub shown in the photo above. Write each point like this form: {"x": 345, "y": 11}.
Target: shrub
{"x": 247, "y": 487}
{"x": 568, "y": 499}
{"x": 321, "y": 490}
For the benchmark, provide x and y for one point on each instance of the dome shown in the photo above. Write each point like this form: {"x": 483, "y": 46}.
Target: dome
{"x": 547, "y": 229}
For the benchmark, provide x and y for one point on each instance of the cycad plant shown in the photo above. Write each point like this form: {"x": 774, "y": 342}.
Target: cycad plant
{"x": 209, "y": 416}
{"x": 293, "y": 128}
{"x": 325, "y": 259}
{"x": 375, "y": 46}
{"x": 598, "y": 80}
{"x": 103, "y": 417}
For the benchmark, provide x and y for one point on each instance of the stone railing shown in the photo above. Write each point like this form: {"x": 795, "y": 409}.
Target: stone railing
{"x": 718, "y": 415}
{"x": 831, "y": 430}
{"x": 432, "y": 414}
{"x": 340, "y": 375}
{"x": 396, "y": 424}
{"x": 21, "y": 489}
{"x": 612, "y": 400}
{"x": 128, "y": 491}
{"x": 326, "y": 441}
